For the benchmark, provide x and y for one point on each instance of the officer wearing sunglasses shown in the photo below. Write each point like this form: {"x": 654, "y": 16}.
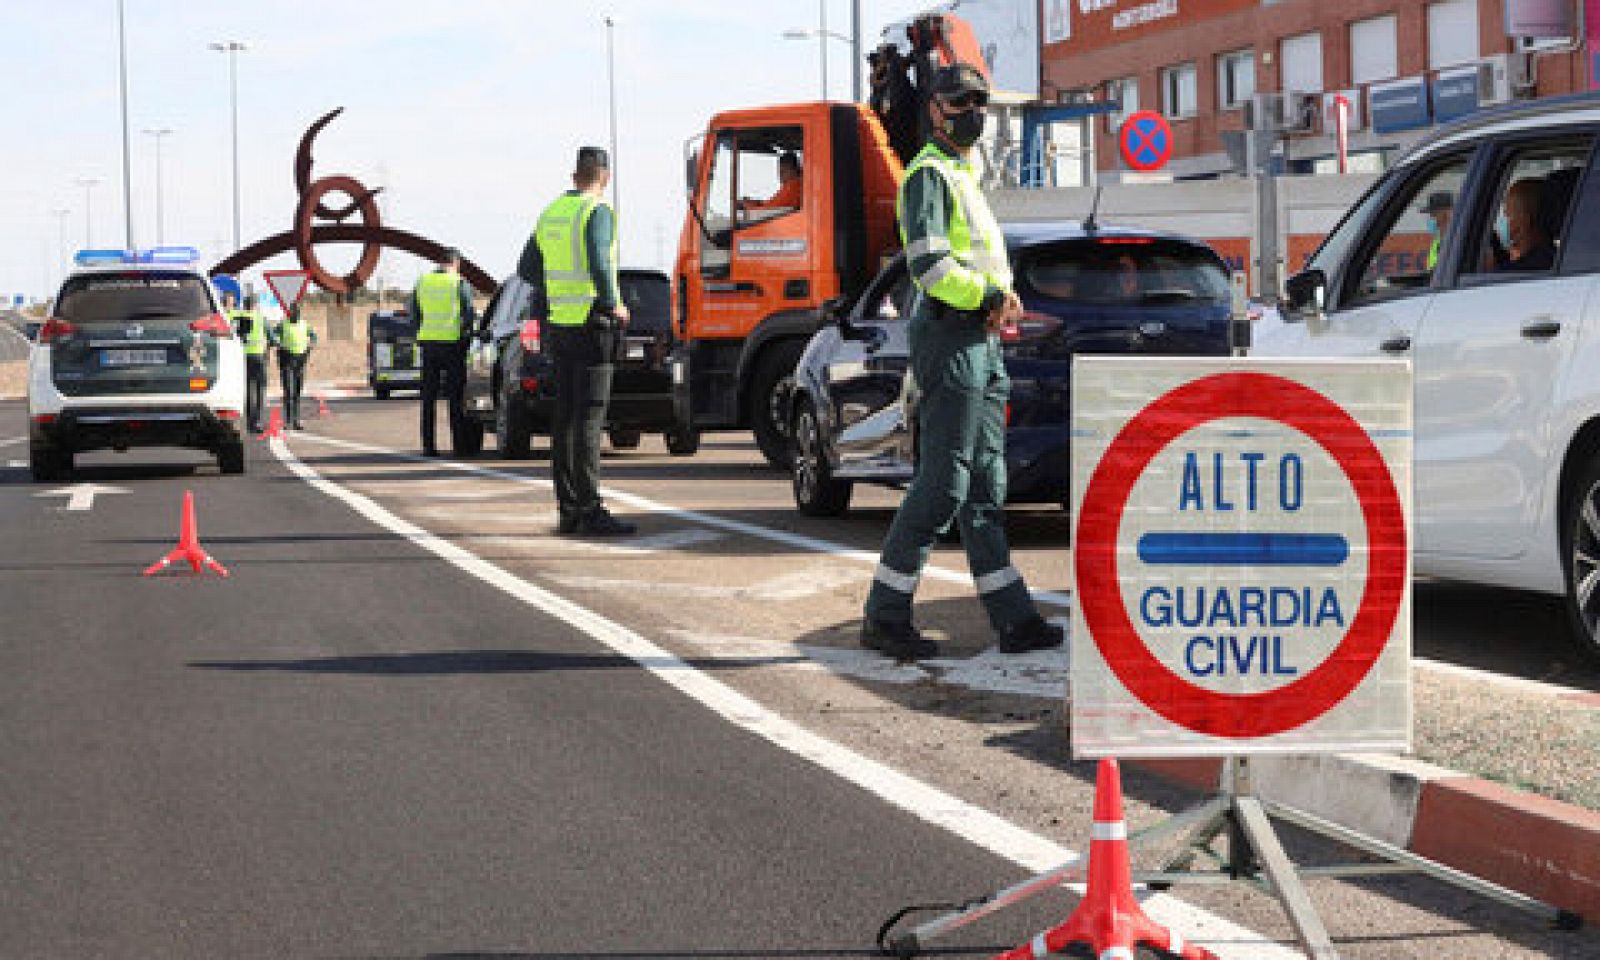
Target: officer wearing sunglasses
{"x": 956, "y": 255}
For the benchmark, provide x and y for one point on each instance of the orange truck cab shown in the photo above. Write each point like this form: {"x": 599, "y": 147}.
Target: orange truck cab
{"x": 790, "y": 206}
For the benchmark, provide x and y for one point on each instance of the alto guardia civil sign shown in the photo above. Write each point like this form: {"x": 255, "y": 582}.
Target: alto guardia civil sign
{"x": 1241, "y": 556}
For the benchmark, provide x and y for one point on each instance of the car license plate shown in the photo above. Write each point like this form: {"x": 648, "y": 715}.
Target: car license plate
{"x": 635, "y": 350}
{"x": 132, "y": 358}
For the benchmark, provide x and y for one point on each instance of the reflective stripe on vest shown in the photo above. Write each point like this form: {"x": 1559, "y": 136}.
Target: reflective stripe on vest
{"x": 294, "y": 337}
{"x": 561, "y": 233}
{"x": 439, "y": 299}
{"x": 255, "y": 342}
{"x": 974, "y": 238}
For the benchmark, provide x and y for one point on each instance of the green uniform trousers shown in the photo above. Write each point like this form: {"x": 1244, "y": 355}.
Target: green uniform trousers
{"x": 961, "y": 469}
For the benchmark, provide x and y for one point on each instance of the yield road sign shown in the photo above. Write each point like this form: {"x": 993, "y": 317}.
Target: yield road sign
{"x": 1145, "y": 141}
{"x": 1241, "y": 555}
{"x": 288, "y": 286}
{"x": 80, "y": 496}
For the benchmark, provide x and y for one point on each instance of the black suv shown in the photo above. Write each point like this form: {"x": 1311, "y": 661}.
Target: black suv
{"x": 1094, "y": 289}
{"x": 510, "y": 388}
{"x": 393, "y": 360}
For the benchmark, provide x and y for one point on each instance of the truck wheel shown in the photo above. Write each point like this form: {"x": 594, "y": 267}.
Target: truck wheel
{"x": 49, "y": 465}
{"x": 230, "y": 458}
{"x": 682, "y": 441}
{"x": 1580, "y": 551}
{"x": 817, "y": 492}
{"x": 769, "y": 392}
{"x": 469, "y": 442}
{"x": 624, "y": 438}
{"x": 512, "y": 432}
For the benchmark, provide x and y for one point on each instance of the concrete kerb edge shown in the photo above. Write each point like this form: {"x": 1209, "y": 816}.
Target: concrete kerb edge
{"x": 1540, "y": 847}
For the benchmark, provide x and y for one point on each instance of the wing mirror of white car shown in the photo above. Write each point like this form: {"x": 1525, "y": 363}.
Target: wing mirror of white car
{"x": 1306, "y": 296}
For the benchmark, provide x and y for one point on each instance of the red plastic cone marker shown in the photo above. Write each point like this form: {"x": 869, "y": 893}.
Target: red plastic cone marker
{"x": 188, "y": 547}
{"x": 322, "y": 407}
{"x": 1109, "y": 919}
{"x": 274, "y": 425}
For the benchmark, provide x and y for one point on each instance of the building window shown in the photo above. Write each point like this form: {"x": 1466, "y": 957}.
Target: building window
{"x": 1125, "y": 92}
{"x": 1452, "y": 33}
{"x": 1179, "y": 90}
{"x": 1373, "y": 55}
{"x": 1236, "y": 78}
{"x": 1300, "y": 63}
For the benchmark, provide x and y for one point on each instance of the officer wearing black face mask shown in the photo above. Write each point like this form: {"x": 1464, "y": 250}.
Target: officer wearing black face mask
{"x": 956, "y": 254}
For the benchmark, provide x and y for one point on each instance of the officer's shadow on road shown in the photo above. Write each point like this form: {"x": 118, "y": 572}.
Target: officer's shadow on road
{"x": 467, "y": 662}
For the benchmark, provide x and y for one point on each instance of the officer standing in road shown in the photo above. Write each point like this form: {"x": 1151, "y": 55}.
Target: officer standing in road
{"x": 571, "y": 263}
{"x": 443, "y": 302}
{"x": 957, "y": 257}
{"x": 294, "y": 338}
{"x": 252, "y": 329}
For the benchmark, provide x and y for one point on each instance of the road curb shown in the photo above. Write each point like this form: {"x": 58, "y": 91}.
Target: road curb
{"x": 1540, "y": 847}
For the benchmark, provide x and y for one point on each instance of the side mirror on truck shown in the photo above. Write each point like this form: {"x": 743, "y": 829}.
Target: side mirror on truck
{"x": 1305, "y": 296}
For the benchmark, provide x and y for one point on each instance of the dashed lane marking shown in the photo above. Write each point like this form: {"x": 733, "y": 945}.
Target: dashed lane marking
{"x": 798, "y": 541}
{"x": 972, "y": 823}
{"x": 12, "y": 441}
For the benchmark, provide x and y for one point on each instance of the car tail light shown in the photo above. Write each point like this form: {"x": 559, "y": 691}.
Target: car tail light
{"x": 1125, "y": 241}
{"x": 227, "y": 414}
{"x": 1008, "y": 414}
{"x": 44, "y": 419}
{"x": 213, "y": 323}
{"x": 530, "y": 384}
{"x": 199, "y": 384}
{"x": 56, "y": 328}
{"x": 530, "y": 336}
{"x": 1033, "y": 326}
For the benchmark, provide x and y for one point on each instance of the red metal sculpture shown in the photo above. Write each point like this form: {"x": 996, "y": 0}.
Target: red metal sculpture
{"x": 370, "y": 232}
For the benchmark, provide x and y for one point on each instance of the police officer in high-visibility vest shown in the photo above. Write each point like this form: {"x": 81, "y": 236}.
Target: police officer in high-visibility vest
{"x": 571, "y": 263}
{"x": 442, "y": 302}
{"x": 252, "y": 330}
{"x": 957, "y": 257}
{"x": 294, "y": 338}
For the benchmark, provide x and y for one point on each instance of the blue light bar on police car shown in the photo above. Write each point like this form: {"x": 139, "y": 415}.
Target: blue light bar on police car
{"x": 101, "y": 258}
{"x": 170, "y": 256}
{"x": 162, "y": 256}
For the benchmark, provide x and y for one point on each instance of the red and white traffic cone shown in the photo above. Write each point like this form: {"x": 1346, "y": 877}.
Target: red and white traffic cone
{"x": 188, "y": 545}
{"x": 323, "y": 412}
{"x": 274, "y": 425}
{"x": 1108, "y": 919}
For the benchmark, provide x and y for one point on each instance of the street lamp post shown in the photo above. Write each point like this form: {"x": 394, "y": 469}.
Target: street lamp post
{"x": 611, "y": 83}
{"x": 823, "y": 35}
{"x": 127, "y": 148}
{"x": 159, "y": 133}
{"x": 88, "y": 184}
{"x": 232, "y": 49}
{"x": 61, "y": 214}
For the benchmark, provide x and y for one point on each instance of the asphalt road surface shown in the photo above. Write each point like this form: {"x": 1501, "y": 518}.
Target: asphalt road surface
{"x": 417, "y": 729}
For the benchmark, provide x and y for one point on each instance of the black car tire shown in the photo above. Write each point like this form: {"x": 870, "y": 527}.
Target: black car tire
{"x": 682, "y": 441}
{"x": 469, "y": 441}
{"x": 769, "y": 388}
{"x": 382, "y": 393}
{"x": 1580, "y": 556}
{"x": 48, "y": 464}
{"x": 512, "y": 430}
{"x": 817, "y": 492}
{"x": 230, "y": 458}
{"x": 624, "y": 438}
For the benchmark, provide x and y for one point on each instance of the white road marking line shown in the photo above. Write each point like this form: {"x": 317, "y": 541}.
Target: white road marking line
{"x": 16, "y": 464}
{"x": 655, "y": 543}
{"x": 539, "y": 517}
{"x": 12, "y": 440}
{"x": 798, "y": 541}
{"x": 796, "y": 585}
{"x": 972, "y": 823}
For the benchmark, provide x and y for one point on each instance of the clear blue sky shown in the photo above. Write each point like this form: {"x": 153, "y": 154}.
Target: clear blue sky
{"x": 466, "y": 111}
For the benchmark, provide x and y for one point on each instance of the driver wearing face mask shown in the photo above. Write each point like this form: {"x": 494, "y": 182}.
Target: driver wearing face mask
{"x": 956, "y": 256}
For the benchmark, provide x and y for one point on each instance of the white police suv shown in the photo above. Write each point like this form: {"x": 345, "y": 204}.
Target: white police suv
{"x": 136, "y": 353}
{"x": 1477, "y": 256}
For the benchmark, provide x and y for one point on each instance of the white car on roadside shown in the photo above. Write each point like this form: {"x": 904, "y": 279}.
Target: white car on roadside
{"x": 136, "y": 353}
{"x": 1497, "y": 305}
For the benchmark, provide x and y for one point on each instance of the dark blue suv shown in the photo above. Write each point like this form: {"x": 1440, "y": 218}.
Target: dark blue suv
{"x": 1086, "y": 289}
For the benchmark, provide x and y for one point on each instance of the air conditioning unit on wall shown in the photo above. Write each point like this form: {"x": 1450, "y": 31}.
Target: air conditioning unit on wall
{"x": 1289, "y": 113}
{"x": 1505, "y": 76}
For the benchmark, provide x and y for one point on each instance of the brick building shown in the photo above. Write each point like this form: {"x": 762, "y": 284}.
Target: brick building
{"x": 1405, "y": 65}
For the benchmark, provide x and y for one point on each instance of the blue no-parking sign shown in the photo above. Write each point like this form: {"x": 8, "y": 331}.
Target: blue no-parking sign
{"x": 1241, "y": 554}
{"x": 1145, "y": 140}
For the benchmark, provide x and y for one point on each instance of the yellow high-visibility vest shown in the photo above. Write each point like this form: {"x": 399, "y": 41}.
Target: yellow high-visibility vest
{"x": 439, "y": 299}
{"x": 568, "y": 284}
{"x": 974, "y": 238}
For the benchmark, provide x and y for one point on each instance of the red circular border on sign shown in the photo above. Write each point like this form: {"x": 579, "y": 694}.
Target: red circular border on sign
{"x": 1266, "y": 397}
{"x": 1126, "y": 130}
